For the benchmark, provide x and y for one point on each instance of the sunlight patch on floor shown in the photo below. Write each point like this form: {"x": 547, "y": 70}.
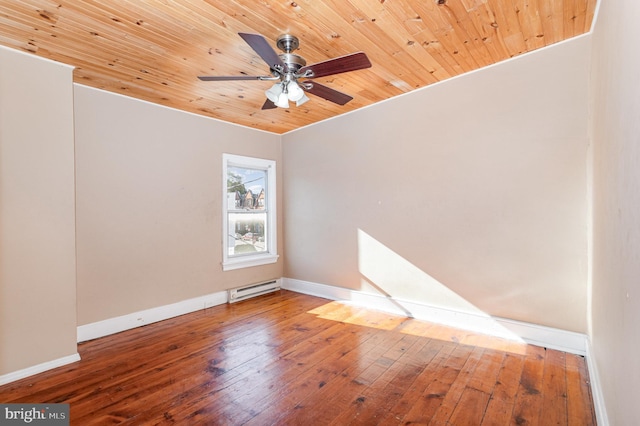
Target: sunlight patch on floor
{"x": 349, "y": 313}
{"x": 352, "y": 314}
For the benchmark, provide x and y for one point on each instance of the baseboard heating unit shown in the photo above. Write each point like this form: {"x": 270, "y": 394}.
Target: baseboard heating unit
{"x": 247, "y": 292}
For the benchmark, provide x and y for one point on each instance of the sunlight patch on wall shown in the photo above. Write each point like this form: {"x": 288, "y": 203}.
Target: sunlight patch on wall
{"x": 399, "y": 284}
{"x": 393, "y": 275}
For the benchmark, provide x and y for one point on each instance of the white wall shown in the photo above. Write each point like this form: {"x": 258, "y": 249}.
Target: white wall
{"x": 37, "y": 237}
{"x": 142, "y": 205}
{"x": 615, "y": 121}
{"x": 468, "y": 195}
{"x": 149, "y": 193}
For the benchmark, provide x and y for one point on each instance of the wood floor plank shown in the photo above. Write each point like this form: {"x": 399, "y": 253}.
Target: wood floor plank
{"x": 485, "y": 375}
{"x": 384, "y": 393}
{"x": 379, "y": 344}
{"x": 431, "y": 387}
{"x": 429, "y": 391}
{"x": 554, "y": 389}
{"x": 336, "y": 371}
{"x": 349, "y": 393}
{"x": 288, "y": 358}
{"x": 528, "y": 403}
{"x": 317, "y": 368}
{"x": 470, "y": 408}
{"x": 579, "y": 411}
{"x": 500, "y": 408}
{"x": 450, "y": 401}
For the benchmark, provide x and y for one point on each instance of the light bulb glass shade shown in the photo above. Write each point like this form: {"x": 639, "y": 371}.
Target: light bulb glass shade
{"x": 282, "y": 101}
{"x": 302, "y": 100}
{"x": 295, "y": 91}
{"x": 274, "y": 92}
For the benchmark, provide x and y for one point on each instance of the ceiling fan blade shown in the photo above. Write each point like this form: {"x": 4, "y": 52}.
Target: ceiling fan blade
{"x": 233, "y": 77}
{"x": 264, "y": 49}
{"x": 326, "y": 92}
{"x": 269, "y": 105}
{"x": 352, "y": 62}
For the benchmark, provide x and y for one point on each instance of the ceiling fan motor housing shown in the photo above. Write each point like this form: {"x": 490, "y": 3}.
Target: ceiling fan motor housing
{"x": 292, "y": 61}
{"x": 288, "y": 43}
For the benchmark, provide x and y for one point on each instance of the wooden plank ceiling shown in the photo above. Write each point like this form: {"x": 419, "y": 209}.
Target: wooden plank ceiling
{"x": 154, "y": 49}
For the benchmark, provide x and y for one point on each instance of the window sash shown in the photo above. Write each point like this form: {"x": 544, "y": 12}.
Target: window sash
{"x": 249, "y": 242}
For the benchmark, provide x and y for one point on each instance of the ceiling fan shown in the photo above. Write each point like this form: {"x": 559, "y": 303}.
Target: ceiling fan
{"x": 288, "y": 68}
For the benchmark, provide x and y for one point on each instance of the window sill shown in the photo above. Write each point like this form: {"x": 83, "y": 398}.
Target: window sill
{"x": 247, "y": 262}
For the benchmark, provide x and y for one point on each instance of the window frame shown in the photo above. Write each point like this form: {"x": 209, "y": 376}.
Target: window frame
{"x": 270, "y": 255}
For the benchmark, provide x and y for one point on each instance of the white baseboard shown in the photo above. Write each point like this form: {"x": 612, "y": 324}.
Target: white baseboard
{"x": 539, "y": 335}
{"x": 531, "y": 333}
{"x": 39, "y": 368}
{"x": 549, "y": 337}
{"x": 602, "y": 419}
{"x": 148, "y": 316}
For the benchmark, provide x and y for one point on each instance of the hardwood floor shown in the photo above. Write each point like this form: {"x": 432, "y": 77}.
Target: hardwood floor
{"x": 293, "y": 359}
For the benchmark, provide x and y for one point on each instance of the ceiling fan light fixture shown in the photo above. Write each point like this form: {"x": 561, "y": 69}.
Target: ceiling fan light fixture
{"x": 282, "y": 101}
{"x": 302, "y": 100}
{"x": 273, "y": 94}
{"x": 295, "y": 91}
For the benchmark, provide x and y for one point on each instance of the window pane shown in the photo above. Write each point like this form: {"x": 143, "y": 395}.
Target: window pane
{"x": 246, "y": 188}
{"x": 249, "y": 212}
{"x": 247, "y": 233}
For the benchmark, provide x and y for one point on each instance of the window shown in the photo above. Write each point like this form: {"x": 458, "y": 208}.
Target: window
{"x": 249, "y": 216}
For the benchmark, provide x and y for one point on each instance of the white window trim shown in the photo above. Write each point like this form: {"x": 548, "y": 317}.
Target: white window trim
{"x": 271, "y": 254}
